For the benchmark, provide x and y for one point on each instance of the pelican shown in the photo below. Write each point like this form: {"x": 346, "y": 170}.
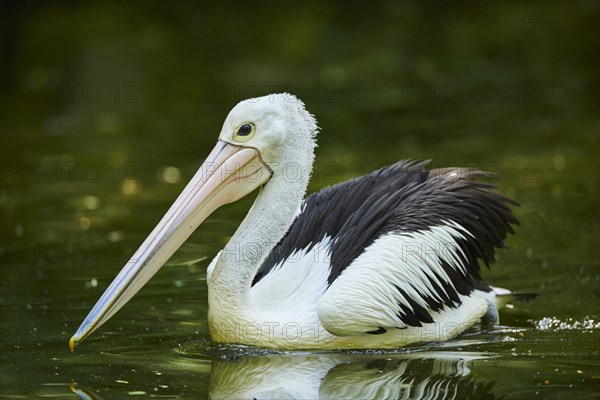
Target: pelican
{"x": 380, "y": 261}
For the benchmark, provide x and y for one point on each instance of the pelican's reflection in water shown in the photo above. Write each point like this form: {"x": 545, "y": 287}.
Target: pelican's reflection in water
{"x": 328, "y": 376}
{"x": 419, "y": 375}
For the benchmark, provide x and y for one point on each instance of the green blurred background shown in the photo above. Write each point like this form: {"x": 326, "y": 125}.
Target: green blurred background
{"x": 108, "y": 108}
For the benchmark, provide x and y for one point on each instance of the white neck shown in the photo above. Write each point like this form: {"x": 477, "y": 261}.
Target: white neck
{"x": 270, "y": 217}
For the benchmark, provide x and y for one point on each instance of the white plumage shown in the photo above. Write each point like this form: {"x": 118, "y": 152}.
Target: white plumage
{"x": 365, "y": 296}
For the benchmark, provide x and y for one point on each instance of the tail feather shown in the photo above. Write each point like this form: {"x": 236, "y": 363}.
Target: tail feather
{"x": 497, "y": 298}
{"x": 504, "y": 298}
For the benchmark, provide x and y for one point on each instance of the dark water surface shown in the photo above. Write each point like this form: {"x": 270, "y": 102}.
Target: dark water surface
{"x": 107, "y": 110}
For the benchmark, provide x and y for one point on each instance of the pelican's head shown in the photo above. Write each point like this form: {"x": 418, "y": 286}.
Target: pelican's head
{"x": 258, "y": 139}
{"x": 277, "y": 125}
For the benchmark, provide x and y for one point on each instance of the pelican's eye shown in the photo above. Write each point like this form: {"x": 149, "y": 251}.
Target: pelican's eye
{"x": 244, "y": 133}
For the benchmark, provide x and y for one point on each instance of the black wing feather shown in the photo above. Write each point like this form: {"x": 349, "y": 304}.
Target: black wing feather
{"x": 342, "y": 211}
{"x": 404, "y": 197}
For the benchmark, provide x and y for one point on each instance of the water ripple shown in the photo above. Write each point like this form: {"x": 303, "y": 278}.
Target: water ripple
{"x": 555, "y": 324}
